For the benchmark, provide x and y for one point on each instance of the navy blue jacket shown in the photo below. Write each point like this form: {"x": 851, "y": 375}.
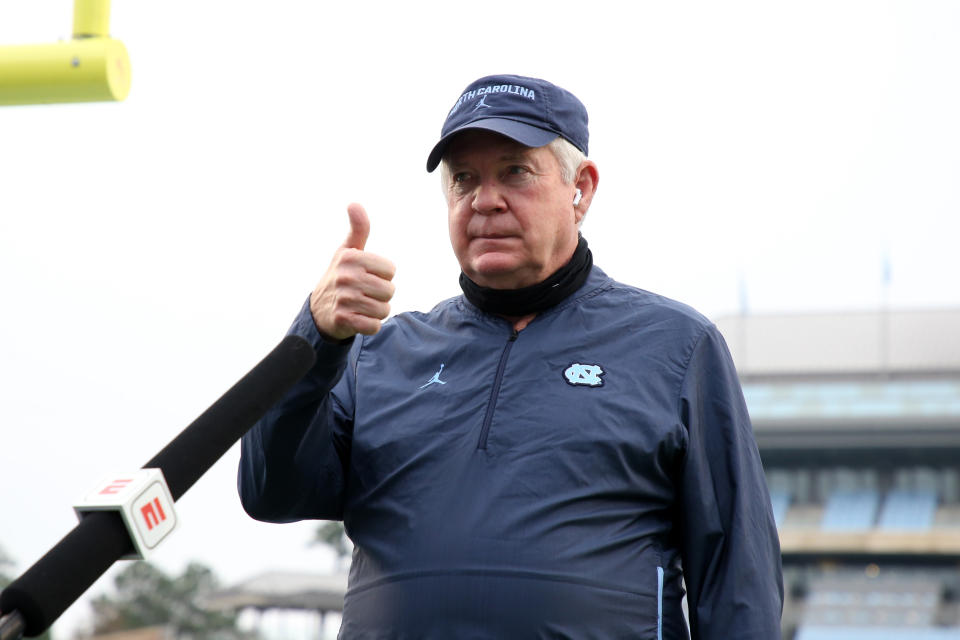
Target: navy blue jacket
{"x": 558, "y": 482}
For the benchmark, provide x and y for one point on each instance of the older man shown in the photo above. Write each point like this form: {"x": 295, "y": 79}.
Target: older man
{"x": 552, "y": 454}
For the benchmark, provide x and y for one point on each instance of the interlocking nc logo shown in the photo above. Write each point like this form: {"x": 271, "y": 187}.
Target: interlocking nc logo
{"x": 586, "y": 375}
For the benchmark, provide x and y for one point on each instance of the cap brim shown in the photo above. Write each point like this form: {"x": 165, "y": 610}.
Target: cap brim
{"x": 523, "y": 133}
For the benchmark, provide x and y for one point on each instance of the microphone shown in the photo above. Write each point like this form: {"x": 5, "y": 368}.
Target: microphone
{"x": 32, "y": 602}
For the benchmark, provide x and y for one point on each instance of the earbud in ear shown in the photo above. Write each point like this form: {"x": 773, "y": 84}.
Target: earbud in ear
{"x": 576, "y": 198}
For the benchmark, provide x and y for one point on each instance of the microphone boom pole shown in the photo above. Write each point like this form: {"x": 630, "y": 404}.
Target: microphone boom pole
{"x": 31, "y": 603}
{"x": 11, "y": 626}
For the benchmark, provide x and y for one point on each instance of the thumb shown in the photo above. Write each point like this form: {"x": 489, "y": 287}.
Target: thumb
{"x": 359, "y": 227}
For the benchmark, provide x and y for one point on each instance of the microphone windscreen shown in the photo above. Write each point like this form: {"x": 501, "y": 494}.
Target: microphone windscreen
{"x": 68, "y": 569}
{"x": 61, "y": 576}
{"x": 190, "y": 454}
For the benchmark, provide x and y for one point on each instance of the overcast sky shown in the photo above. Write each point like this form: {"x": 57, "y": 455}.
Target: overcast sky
{"x": 152, "y": 251}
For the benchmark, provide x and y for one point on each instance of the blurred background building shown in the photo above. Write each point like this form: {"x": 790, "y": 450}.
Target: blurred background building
{"x": 857, "y": 417}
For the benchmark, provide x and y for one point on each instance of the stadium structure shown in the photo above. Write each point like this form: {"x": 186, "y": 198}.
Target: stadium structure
{"x": 857, "y": 417}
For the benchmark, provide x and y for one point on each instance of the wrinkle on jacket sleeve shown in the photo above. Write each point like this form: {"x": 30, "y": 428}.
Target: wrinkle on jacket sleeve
{"x": 730, "y": 547}
{"x": 292, "y": 462}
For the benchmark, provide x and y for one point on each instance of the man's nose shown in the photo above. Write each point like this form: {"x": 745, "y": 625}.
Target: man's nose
{"x": 488, "y": 198}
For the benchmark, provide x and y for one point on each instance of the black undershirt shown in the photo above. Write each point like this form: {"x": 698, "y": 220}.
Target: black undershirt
{"x": 535, "y": 298}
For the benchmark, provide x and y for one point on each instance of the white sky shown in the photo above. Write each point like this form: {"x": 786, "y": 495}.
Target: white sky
{"x": 152, "y": 251}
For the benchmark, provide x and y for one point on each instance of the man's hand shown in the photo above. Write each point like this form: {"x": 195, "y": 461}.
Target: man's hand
{"x": 353, "y": 295}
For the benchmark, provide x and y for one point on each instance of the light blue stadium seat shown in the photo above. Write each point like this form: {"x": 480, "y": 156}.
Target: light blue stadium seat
{"x": 850, "y": 510}
{"x": 780, "y": 501}
{"x": 908, "y": 510}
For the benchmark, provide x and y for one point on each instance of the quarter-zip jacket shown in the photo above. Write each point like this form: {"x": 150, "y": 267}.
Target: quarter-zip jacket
{"x": 557, "y": 482}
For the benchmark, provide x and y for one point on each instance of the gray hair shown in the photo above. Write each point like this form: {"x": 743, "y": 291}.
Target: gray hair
{"x": 568, "y": 157}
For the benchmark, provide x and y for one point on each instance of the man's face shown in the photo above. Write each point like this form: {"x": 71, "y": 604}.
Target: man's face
{"x": 511, "y": 216}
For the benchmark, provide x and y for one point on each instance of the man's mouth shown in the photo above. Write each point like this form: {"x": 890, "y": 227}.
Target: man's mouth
{"x": 493, "y": 235}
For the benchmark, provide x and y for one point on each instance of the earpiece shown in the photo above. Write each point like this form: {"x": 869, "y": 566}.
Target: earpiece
{"x": 576, "y": 198}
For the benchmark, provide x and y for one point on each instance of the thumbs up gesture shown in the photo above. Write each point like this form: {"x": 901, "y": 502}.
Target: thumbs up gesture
{"x": 353, "y": 295}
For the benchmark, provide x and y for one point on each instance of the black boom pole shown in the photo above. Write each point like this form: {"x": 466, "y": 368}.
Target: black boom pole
{"x": 31, "y": 603}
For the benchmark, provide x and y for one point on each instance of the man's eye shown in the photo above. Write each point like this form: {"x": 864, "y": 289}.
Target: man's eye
{"x": 459, "y": 178}
{"x": 517, "y": 169}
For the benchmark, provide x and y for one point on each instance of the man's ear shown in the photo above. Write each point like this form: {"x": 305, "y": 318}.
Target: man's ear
{"x": 586, "y": 181}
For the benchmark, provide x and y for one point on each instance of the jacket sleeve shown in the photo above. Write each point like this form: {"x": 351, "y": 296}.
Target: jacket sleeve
{"x": 730, "y": 549}
{"x": 293, "y": 461}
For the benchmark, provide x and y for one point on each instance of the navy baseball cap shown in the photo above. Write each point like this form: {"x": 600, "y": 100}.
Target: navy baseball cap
{"x": 531, "y": 111}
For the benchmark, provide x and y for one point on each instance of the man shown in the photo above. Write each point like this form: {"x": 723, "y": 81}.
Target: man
{"x": 552, "y": 454}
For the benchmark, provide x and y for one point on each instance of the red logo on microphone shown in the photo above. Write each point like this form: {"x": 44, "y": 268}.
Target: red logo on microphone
{"x": 116, "y": 486}
{"x": 153, "y": 513}
{"x": 144, "y": 502}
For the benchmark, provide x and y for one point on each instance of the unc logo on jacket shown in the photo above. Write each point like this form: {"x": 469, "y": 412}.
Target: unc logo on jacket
{"x": 579, "y": 374}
